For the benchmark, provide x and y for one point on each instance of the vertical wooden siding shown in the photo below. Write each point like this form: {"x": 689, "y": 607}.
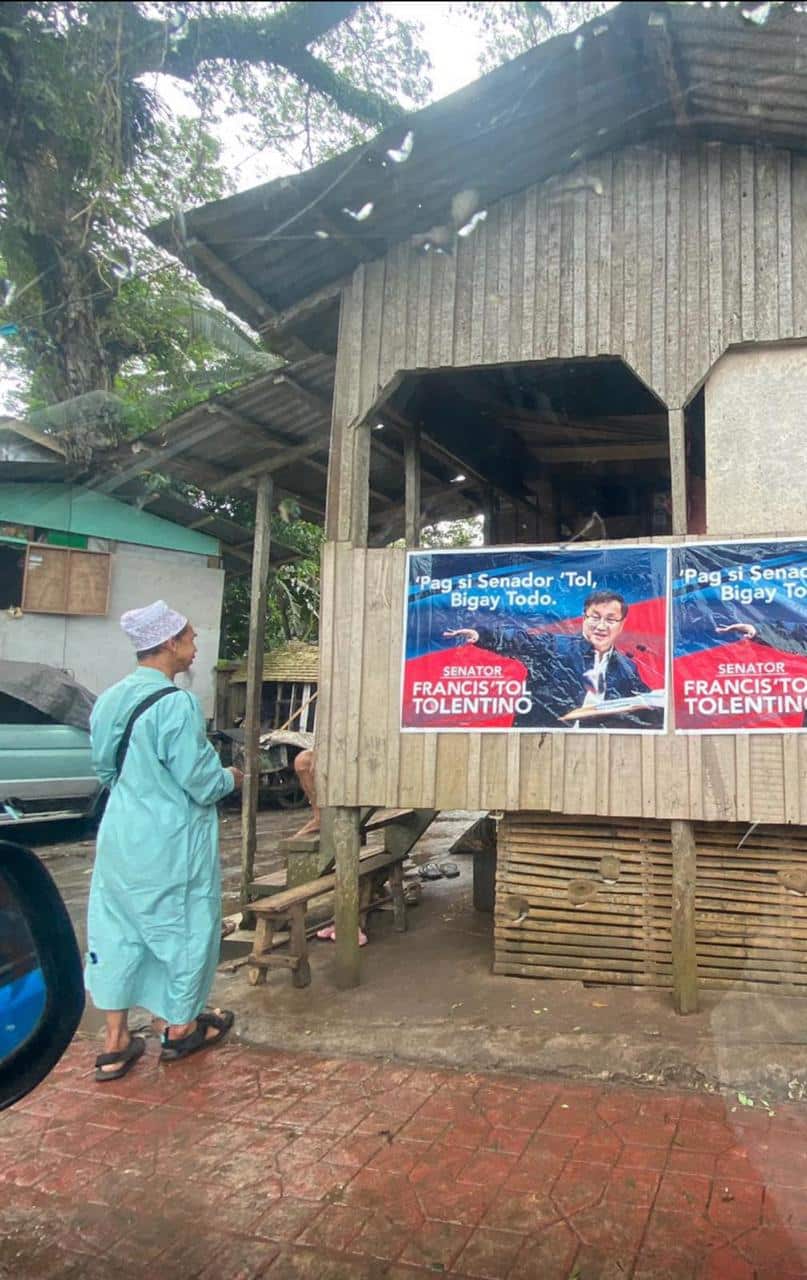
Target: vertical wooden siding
{"x": 665, "y": 259}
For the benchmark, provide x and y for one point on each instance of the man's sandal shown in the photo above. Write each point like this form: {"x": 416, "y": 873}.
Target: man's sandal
{"x": 198, "y": 1039}
{"x": 123, "y": 1061}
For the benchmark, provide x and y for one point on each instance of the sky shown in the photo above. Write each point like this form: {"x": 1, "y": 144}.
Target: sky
{"x": 452, "y": 42}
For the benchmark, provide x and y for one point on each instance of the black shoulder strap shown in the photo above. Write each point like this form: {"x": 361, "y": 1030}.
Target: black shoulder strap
{"x": 123, "y": 745}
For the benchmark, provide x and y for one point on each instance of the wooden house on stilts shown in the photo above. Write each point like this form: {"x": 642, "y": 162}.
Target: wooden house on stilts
{"x": 579, "y": 290}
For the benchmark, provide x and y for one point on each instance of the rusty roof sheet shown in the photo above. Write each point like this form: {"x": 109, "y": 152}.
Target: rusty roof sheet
{"x": 642, "y": 70}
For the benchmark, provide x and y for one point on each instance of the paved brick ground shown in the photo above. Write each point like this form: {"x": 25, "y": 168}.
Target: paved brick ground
{"x": 242, "y": 1164}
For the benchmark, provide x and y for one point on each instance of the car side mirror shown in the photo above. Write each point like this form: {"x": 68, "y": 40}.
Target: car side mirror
{"x": 41, "y": 981}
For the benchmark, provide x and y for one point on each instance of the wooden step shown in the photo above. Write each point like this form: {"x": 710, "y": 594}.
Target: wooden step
{"x": 298, "y": 844}
{"x": 385, "y": 818}
{"x": 271, "y": 883}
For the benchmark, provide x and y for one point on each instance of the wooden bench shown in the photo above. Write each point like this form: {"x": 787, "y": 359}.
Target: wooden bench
{"x": 291, "y": 905}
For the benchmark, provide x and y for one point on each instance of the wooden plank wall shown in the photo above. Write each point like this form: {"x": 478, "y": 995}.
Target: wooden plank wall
{"x": 590, "y": 900}
{"x": 665, "y": 258}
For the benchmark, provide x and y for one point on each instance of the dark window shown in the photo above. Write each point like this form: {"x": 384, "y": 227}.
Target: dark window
{"x": 14, "y": 711}
{"x": 12, "y": 568}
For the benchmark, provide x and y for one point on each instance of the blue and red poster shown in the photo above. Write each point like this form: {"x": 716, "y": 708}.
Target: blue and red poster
{"x": 740, "y": 636}
{"x": 536, "y": 639}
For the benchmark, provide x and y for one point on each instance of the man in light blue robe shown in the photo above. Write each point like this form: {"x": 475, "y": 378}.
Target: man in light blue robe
{"x": 154, "y": 917}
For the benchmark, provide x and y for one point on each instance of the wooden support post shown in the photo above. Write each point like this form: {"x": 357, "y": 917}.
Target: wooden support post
{"x": 412, "y": 487}
{"x": 252, "y": 728}
{"x": 684, "y": 951}
{"x": 491, "y": 531}
{"x": 678, "y": 470}
{"x": 346, "y": 905}
{"x": 546, "y": 520}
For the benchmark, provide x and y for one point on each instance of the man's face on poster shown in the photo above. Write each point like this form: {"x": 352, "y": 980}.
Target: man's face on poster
{"x": 602, "y": 623}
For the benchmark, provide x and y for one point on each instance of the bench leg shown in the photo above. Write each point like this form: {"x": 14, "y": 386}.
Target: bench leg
{"x": 298, "y": 945}
{"x": 365, "y": 900}
{"x": 261, "y": 944}
{"x": 396, "y": 884}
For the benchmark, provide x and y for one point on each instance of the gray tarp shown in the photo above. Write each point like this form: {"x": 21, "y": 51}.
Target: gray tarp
{"x": 49, "y": 690}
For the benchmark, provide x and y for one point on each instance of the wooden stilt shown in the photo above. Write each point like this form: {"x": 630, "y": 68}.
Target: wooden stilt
{"x": 684, "y": 951}
{"x": 346, "y": 907}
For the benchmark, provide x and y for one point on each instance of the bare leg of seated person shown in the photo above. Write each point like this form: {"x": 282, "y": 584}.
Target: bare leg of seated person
{"x": 304, "y": 768}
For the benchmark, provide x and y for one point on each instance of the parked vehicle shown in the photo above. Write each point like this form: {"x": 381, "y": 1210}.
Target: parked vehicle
{"x": 45, "y": 764}
{"x": 41, "y": 982}
{"x": 279, "y": 747}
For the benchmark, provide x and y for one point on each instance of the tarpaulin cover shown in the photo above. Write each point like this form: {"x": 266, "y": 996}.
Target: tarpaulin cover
{"x": 740, "y": 636}
{"x": 536, "y": 639}
{"x": 49, "y": 690}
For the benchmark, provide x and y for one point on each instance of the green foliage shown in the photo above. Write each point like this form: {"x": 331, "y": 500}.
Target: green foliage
{"x": 452, "y": 533}
{"x": 292, "y": 603}
{"x": 92, "y": 155}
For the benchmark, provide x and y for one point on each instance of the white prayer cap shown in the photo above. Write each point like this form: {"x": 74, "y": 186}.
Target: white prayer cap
{"x": 152, "y": 625}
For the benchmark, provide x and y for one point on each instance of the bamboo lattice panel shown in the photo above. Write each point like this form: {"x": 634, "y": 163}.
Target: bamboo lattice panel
{"x": 620, "y": 934}
{"x": 557, "y": 916}
{"x": 751, "y": 929}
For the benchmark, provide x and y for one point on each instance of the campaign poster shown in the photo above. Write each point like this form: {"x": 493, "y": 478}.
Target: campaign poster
{"x": 536, "y": 639}
{"x": 740, "y": 636}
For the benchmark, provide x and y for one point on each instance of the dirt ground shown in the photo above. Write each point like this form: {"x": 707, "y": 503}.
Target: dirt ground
{"x": 428, "y": 996}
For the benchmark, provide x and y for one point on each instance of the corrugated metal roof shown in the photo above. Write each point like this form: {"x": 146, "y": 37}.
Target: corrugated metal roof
{"x": 643, "y": 70}
{"x": 295, "y": 662}
{"x": 28, "y": 454}
{"x": 279, "y": 422}
{"x": 235, "y": 540}
{"x": 70, "y": 509}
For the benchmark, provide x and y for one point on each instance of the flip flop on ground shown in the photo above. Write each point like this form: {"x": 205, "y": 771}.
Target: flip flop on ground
{"x": 430, "y": 871}
{"x": 121, "y": 1062}
{"x": 222, "y": 1020}
{"x": 450, "y": 870}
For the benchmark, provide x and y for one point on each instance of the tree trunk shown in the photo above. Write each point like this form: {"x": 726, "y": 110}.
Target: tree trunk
{"x": 78, "y": 359}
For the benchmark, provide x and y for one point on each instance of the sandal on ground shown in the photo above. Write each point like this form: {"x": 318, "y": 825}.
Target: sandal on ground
{"x": 450, "y": 870}
{"x": 123, "y": 1061}
{"x": 430, "y": 871}
{"x": 198, "y": 1039}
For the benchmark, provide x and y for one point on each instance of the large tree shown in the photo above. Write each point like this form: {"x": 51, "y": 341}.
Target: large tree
{"x": 90, "y": 153}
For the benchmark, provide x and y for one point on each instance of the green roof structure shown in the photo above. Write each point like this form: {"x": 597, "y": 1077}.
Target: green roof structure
{"x": 71, "y": 509}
